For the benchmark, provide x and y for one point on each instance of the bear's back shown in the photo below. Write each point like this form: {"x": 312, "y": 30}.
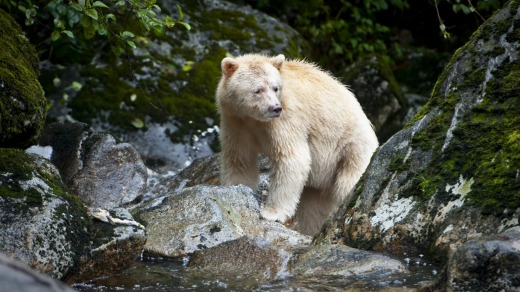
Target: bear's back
{"x": 318, "y": 94}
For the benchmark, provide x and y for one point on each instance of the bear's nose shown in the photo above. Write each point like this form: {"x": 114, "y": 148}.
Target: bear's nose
{"x": 276, "y": 109}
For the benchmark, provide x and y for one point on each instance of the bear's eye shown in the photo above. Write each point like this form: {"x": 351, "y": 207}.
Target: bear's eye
{"x": 259, "y": 90}
{"x": 275, "y": 89}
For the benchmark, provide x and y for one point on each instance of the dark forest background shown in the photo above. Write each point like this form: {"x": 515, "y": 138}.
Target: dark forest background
{"x": 337, "y": 32}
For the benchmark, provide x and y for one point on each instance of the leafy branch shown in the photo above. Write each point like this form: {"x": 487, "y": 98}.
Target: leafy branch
{"x": 87, "y": 18}
{"x": 457, "y": 7}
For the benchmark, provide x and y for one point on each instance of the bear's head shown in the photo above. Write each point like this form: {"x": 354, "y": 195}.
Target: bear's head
{"x": 251, "y": 86}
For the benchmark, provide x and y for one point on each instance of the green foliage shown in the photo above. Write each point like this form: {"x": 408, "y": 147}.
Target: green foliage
{"x": 85, "y": 19}
{"x": 345, "y": 30}
{"x": 340, "y": 31}
{"x": 458, "y": 6}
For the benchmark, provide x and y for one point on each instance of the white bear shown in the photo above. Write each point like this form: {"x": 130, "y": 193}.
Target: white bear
{"x": 309, "y": 125}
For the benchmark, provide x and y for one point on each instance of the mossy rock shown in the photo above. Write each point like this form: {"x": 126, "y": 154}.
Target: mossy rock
{"x": 22, "y": 100}
{"x": 49, "y": 229}
{"x": 477, "y": 131}
{"x": 453, "y": 173}
{"x": 41, "y": 224}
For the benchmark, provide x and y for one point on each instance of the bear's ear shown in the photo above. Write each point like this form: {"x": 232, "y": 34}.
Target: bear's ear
{"x": 278, "y": 61}
{"x": 229, "y": 66}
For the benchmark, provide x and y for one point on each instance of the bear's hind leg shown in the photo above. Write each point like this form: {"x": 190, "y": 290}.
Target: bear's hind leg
{"x": 314, "y": 209}
{"x": 349, "y": 171}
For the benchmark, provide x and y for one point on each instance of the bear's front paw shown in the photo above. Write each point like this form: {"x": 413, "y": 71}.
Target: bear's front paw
{"x": 273, "y": 215}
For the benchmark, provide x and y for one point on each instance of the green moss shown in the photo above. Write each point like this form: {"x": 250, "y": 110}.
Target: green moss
{"x": 16, "y": 167}
{"x": 226, "y": 21}
{"x": 425, "y": 185}
{"x": 485, "y": 145}
{"x": 435, "y": 98}
{"x": 398, "y": 164}
{"x": 70, "y": 218}
{"x": 514, "y": 7}
{"x": 22, "y": 101}
{"x": 236, "y": 26}
{"x": 107, "y": 97}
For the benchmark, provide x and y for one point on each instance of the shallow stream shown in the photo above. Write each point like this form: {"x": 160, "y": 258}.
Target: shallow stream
{"x": 171, "y": 275}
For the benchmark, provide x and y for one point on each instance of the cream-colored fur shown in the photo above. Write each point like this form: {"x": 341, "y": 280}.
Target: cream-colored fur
{"x": 319, "y": 145}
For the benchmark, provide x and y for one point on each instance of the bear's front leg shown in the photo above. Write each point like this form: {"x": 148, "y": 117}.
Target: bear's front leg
{"x": 288, "y": 177}
{"x": 239, "y": 163}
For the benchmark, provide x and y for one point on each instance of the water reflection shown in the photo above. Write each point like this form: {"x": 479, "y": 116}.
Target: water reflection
{"x": 171, "y": 275}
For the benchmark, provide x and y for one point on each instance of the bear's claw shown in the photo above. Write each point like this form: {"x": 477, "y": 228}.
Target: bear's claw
{"x": 273, "y": 215}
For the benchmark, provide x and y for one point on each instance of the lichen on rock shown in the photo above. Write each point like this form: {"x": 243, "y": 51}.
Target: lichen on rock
{"x": 42, "y": 224}
{"x": 114, "y": 247}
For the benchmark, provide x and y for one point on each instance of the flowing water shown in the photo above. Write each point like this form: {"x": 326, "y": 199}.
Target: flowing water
{"x": 171, "y": 275}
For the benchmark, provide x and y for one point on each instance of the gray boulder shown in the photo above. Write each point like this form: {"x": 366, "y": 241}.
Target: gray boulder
{"x": 117, "y": 241}
{"x": 103, "y": 173}
{"x": 344, "y": 261}
{"x": 51, "y": 231}
{"x": 489, "y": 263}
{"x": 16, "y": 277}
{"x": 196, "y": 218}
{"x": 202, "y": 216}
{"x": 452, "y": 174}
{"x": 22, "y": 100}
{"x": 252, "y": 259}
{"x": 41, "y": 224}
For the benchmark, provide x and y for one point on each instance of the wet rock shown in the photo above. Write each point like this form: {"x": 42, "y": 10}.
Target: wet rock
{"x": 103, "y": 173}
{"x": 253, "y": 261}
{"x": 372, "y": 81}
{"x": 452, "y": 174}
{"x": 205, "y": 170}
{"x": 15, "y": 276}
{"x": 46, "y": 227}
{"x": 22, "y": 100}
{"x": 489, "y": 263}
{"x": 245, "y": 257}
{"x": 344, "y": 261}
{"x": 41, "y": 224}
{"x": 197, "y": 218}
{"x": 202, "y": 216}
{"x": 115, "y": 246}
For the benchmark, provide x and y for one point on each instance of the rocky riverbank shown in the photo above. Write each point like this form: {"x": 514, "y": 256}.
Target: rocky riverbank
{"x": 83, "y": 205}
